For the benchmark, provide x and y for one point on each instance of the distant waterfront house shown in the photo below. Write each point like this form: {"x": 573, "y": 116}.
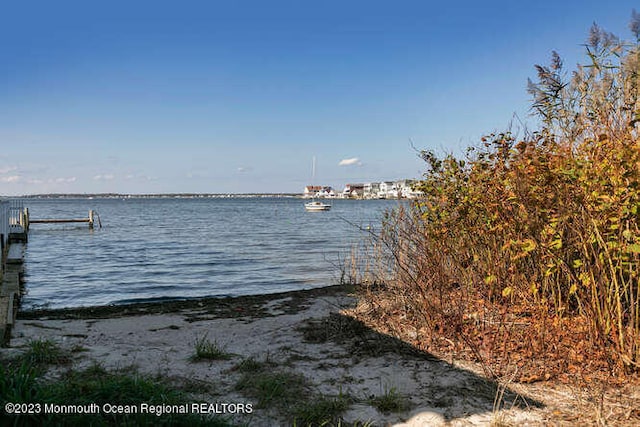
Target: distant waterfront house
{"x": 353, "y": 191}
{"x": 371, "y": 190}
{"x": 326, "y": 192}
{"x": 311, "y": 191}
{"x": 406, "y": 189}
{"x": 320, "y": 191}
{"x": 388, "y": 190}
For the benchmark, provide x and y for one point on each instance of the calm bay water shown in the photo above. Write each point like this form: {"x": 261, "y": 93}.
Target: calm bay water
{"x": 158, "y": 248}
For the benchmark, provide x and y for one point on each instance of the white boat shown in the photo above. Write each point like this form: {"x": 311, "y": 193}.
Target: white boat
{"x": 314, "y": 206}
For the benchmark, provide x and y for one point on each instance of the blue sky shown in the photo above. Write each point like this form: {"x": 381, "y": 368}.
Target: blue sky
{"x": 238, "y": 96}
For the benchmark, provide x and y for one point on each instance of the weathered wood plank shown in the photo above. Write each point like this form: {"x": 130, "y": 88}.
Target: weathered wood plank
{"x": 89, "y": 220}
{"x": 17, "y": 233}
{"x": 5, "y": 329}
{"x": 10, "y": 283}
{"x": 11, "y": 315}
{"x": 15, "y": 255}
{"x": 58, "y": 221}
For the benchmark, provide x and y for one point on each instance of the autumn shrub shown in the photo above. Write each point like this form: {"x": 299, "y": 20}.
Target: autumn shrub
{"x": 526, "y": 252}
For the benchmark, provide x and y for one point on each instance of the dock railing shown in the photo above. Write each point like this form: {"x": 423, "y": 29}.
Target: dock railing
{"x": 5, "y": 207}
{"x": 17, "y": 217}
{"x": 14, "y": 219}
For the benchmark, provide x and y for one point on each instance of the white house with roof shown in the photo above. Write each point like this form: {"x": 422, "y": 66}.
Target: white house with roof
{"x": 326, "y": 193}
{"x": 319, "y": 191}
{"x": 311, "y": 191}
{"x": 371, "y": 190}
{"x": 406, "y": 189}
{"x": 388, "y": 190}
{"x": 353, "y": 191}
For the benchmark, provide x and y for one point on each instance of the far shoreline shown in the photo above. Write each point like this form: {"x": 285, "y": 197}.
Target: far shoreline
{"x": 155, "y": 195}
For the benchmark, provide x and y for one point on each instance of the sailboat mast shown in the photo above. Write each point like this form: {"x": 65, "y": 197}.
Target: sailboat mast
{"x": 313, "y": 205}
{"x": 313, "y": 178}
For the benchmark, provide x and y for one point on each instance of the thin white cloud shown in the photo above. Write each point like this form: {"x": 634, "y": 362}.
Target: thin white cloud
{"x": 105, "y": 177}
{"x": 61, "y": 180}
{"x": 197, "y": 175}
{"x": 7, "y": 169}
{"x": 10, "y": 179}
{"x": 138, "y": 177}
{"x": 349, "y": 162}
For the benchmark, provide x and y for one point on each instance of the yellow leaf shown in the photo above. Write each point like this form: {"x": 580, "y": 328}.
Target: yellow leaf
{"x": 528, "y": 245}
{"x": 534, "y": 288}
{"x": 634, "y": 249}
{"x": 585, "y": 279}
{"x": 490, "y": 279}
{"x": 556, "y": 244}
{"x": 507, "y": 291}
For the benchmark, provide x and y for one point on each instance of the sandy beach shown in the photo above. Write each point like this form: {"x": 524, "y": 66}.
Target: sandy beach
{"x": 297, "y": 332}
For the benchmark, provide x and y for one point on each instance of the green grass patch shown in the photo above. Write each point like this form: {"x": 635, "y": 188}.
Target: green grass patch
{"x": 321, "y": 411}
{"x": 206, "y": 349}
{"x": 250, "y": 365}
{"x": 18, "y": 381}
{"x": 280, "y": 389}
{"x": 45, "y": 352}
{"x": 21, "y": 381}
{"x": 390, "y": 401}
{"x": 288, "y": 393}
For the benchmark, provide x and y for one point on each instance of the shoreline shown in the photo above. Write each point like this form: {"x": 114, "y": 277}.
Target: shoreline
{"x": 222, "y": 307}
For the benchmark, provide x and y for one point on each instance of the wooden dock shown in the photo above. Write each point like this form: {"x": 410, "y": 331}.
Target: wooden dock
{"x": 14, "y": 228}
{"x": 14, "y": 231}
